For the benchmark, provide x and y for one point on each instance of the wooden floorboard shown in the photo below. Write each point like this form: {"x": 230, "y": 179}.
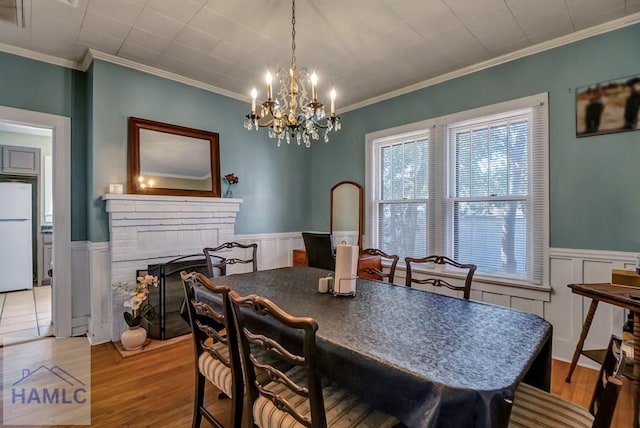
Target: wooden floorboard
{"x": 580, "y": 390}
{"x": 155, "y": 389}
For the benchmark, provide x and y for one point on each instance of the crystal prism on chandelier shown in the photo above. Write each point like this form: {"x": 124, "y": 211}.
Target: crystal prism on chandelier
{"x": 293, "y": 114}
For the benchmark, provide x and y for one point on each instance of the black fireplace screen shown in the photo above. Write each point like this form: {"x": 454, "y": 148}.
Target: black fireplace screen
{"x": 167, "y": 298}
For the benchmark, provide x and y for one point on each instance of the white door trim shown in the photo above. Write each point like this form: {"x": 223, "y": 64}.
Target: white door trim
{"x": 61, "y": 127}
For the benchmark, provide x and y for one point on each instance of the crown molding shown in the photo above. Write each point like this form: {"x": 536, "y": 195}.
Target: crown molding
{"x": 531, "y": 50}
{"x": 50, "y": 59}
{"x": 94, "y": 54}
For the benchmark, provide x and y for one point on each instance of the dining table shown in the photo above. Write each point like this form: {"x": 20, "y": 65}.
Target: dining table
{"x": 430, "y": 359}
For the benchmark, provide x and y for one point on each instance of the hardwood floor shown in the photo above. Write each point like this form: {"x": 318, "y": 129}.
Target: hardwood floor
{"x": 155, "y": 389}
{"x": 581, "y": 387}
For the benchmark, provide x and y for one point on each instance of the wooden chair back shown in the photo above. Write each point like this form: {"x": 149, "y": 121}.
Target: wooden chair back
{"x": 380, "y": 274}
{"x": 607, "y": 390}
{"x": 319, "y": 248}
{"x": 218, "y": 262}
{"x": 263, "y": 354}
{"x": 212, "y": 324}
{"x": 439, "y": 281}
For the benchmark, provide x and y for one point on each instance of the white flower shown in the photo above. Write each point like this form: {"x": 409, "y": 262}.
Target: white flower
{"x": 138, "y": 295}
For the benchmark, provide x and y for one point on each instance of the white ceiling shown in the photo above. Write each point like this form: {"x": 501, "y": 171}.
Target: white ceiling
{"x": 365, "y": 48}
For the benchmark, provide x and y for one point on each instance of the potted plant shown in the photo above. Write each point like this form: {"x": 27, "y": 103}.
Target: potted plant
{"x": 134, "y": 337}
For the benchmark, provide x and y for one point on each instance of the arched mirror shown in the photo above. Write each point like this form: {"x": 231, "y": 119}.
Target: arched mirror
{"x": 346, "y": 213}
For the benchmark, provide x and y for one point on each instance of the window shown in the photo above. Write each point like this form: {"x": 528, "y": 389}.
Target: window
{"x": 472, "y": 186}
{"x": 403, "y": 204}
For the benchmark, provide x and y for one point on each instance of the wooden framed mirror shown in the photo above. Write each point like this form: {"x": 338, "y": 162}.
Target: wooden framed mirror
{"x": 168, "y": 159}
{"x": 346, "y": 213}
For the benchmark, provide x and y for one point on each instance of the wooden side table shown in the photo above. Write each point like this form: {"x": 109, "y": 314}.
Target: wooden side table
{"x": 299, "y": 258}
{"x": 619, "y": 296}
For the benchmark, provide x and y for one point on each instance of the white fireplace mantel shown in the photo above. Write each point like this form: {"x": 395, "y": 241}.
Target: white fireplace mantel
{"x": 148, "y": 229}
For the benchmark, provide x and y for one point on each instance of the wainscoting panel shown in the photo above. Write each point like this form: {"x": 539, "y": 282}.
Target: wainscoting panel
{"x": 555, "y": 302}
{"x": 528, "y": 305}
{"x": 99, "y": 280}
{"x": 497, "y": 299}
{"x": 567, "y": 311}
{"x": 274, "y": 249}
{"x": 80, "y": 288}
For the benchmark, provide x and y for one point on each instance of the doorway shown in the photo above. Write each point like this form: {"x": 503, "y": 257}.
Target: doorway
{"x": 26, "y": 313}
{"x": 60, "y": 128}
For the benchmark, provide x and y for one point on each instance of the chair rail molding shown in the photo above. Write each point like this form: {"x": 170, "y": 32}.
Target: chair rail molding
{"x": 555, "y": 302}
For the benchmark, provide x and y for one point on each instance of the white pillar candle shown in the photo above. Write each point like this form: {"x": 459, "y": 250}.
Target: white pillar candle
{"x": 323, "y": 285}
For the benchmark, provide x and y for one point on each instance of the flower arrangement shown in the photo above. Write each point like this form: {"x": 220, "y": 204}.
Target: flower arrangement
{"x": 230, "y": 179}
{"x": 138, "y": 296}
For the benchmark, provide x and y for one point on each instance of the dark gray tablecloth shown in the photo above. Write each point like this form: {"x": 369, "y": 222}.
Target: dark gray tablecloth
{"x": 431, "y": 360}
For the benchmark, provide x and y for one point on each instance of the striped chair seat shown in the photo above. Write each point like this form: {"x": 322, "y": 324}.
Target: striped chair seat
{"x": 216, "y": 372}
{"x": 533, "y": 407}
{"x": 342, "y": 407}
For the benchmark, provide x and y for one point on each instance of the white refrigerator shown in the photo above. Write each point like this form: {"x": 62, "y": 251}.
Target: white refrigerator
{"x": 16, "y": 257}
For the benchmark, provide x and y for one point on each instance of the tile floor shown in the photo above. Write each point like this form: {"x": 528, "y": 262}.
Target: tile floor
{"x": 26, "y": 313}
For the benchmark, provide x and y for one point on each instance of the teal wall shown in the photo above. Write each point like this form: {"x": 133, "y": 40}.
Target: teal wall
{"x": 33, "y": 85}
{"x": 594, "y": 202}
{"x": 274, "y": 182}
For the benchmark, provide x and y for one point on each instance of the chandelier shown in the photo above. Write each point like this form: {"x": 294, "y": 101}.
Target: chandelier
{"x": 292, "y": 115}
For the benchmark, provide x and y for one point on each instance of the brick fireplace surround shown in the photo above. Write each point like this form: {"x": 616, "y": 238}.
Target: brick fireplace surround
{"x": 147, "y": 229}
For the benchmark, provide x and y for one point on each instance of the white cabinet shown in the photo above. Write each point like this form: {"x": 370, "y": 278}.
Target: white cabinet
{"x": 47, "y": 250}
{"x": 20, "y": 160}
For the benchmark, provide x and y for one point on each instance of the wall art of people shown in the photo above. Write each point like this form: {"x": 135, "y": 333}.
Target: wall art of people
{"x": 606, "y": 107}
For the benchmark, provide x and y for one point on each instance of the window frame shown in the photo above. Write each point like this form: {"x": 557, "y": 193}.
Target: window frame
{"x": 376, "y": 200}
{"x": 440, "y": 223}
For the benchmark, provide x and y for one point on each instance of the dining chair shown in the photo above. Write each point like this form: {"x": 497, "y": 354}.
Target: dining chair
{"x": 319, "y": 248}
{"x": 533, "y": 407}
{"x": 215, "y": 345}
{"x": 380, "y": 274}
{"x": 217, "y": 260}
{"x": 439, "y": 281}
{"x": 295, "y": 397}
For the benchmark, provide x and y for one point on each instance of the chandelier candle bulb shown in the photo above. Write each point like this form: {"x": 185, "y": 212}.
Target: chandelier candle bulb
{"x": 314, "y": 86}
{"x": 254, "y": 95}
{"x": 333, "y": 102}
{"x": 269, "y": 87}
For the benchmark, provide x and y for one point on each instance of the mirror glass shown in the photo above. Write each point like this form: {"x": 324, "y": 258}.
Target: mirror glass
{"x": 159, "y": 152}
{"x": 167, "y": 159}
{"x": 346, "y": 213}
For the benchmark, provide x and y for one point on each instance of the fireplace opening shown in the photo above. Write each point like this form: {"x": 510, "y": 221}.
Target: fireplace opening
{"x": 167, "y": 298}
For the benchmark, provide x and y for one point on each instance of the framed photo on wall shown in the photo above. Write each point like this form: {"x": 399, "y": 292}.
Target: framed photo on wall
{"x": 608, "y": 107}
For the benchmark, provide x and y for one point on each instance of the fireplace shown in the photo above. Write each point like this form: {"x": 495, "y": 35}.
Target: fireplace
{"x": 167, "y": 298}
{"x": 151, "y": 230}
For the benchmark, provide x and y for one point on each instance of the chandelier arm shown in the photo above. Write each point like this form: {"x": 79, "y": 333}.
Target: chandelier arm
{"x": 324, "y": 123}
